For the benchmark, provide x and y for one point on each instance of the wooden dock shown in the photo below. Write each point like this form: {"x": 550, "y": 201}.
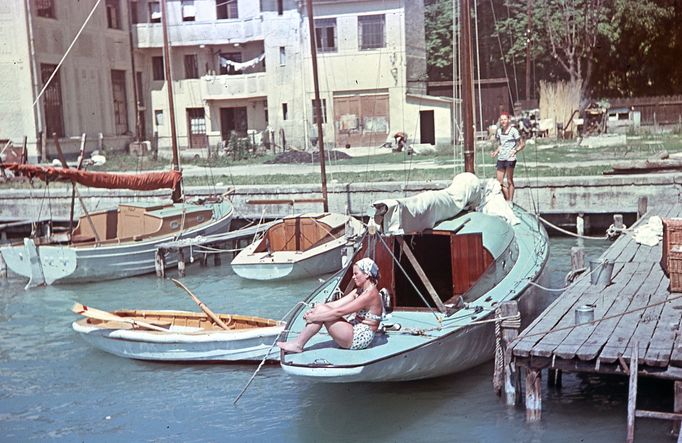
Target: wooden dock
{"x": 636, "y": 310}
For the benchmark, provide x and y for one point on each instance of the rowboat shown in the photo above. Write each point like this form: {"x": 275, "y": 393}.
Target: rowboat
{"x": 180, "y": 336}
{"x": 444, "y": 283}
{"x": 300, "y": 246}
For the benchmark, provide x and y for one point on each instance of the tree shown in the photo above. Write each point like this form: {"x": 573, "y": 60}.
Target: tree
{"x": 570, "y": 33}
{"x": 438, "y": 30}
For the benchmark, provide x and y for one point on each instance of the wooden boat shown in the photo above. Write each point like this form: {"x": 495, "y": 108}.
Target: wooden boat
{"x": 300, "y": 246}
{"x": 116, "y": 243}
{"x": 447, "y": 259}
{"x": 181, "y": 336}
{"x": 445, "y": 283}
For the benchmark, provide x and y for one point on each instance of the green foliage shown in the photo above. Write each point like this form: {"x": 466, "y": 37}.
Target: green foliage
{"x": 438, "y": 29}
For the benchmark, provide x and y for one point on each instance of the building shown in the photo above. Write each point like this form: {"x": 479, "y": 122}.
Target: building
{"x": 238, "y": 68}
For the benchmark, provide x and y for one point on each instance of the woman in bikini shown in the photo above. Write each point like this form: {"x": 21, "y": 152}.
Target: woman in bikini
{"x": 364, "y": 301}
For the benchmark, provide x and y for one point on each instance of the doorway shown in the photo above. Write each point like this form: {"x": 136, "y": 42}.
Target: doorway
{"x": 233, "y": 119}
{"x": 427, "y": 127}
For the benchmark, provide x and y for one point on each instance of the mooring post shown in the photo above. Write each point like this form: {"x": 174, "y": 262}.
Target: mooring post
{"x": 642, "y": 206}
{"x": 533, "y": 394}
{"x": 159, "y": 263}
{"x": 618, "y": 221}
{"x": 181, "y": 263}
{"x": 577, "y": 258}
{"x": 580, "y": 224}
{"x": 203, "y": 259}
{"x": 677, "y": 407}
{"x": 632, "y": 392}
{"x": 509, "y": 332}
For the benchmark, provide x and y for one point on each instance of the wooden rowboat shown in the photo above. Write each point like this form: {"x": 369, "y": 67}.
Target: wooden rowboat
{"x": 180, "y": 335}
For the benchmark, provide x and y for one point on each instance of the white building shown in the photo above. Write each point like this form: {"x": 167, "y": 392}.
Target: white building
{"x": 238, "y": 67}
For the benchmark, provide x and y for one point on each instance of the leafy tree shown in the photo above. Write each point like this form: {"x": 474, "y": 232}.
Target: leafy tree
{"x": 438, "y": 29}
{"x": 570, "y": 34}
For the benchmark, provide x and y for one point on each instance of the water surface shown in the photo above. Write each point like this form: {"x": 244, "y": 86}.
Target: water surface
{"x": 53, "y": 386}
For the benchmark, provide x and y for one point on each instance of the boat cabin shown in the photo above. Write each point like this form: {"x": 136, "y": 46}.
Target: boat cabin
{"x": 302, "y": 232}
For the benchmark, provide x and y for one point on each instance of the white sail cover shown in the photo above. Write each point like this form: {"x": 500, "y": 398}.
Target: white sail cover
{"x": 426, "y": 209}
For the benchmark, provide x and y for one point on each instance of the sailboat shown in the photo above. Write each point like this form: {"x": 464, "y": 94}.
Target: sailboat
{"x": 119, "y": 242}
{"x": 447, "y": 260}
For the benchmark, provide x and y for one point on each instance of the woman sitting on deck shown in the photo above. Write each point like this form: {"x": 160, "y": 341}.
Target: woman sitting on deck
{"x": 364, "y": 301}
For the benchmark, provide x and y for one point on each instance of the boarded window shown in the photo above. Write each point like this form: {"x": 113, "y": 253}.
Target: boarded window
{"x": 113, "y": 14}
{"x": 118, "y": 88}
{"x": 226, "y": 9}
{"x": 45, "y": 8}
{"x": 52, "y": 99}
{"x": 361, "y": 120}
{"x": 157, "y": 68}
{"x": 191, "y": 66}
{"x": 371, "y": 31}
{"x": 325, "y": 34}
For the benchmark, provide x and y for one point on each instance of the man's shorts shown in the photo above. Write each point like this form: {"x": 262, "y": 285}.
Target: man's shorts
{"x": 504, "y": 164}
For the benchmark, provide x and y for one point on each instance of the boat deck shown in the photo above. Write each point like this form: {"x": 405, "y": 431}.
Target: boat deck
{"x": 636, "y": 307}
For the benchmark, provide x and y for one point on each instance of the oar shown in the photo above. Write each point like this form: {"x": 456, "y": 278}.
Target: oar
{"x": 201, "y": 304}
{"x": 87, "y": 311}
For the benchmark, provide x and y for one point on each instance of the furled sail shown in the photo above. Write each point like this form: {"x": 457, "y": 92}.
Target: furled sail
{"x": 148, "y": 181}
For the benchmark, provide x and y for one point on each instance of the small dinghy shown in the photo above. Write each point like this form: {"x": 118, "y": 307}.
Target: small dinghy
{"x": 179, "y": 335}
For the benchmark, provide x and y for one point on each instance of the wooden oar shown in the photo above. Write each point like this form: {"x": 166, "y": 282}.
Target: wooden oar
{"x": 201, "y": 304}
{"x": 87, "y": 311}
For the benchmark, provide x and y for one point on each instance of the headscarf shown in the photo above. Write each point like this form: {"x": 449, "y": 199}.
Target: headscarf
{"x": 367, "y": 266}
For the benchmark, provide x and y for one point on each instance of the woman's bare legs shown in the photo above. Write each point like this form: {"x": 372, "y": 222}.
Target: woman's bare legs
{"x": 340, "y": 330}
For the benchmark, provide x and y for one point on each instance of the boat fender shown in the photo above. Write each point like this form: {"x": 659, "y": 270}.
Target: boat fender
{"x": 386, "y": 300}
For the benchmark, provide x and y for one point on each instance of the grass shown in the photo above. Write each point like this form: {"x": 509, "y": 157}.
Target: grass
{"x": 545, "y": 158}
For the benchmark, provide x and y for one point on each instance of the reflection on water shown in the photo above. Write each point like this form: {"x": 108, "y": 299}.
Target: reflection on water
{"x": 54, "y": 386}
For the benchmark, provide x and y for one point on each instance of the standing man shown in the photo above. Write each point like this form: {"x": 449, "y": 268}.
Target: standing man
{"x": 509, "y": 142}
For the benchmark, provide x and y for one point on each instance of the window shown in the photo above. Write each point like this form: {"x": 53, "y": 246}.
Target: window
{"x": 54, "y": 118}
{"x": 191, "y": 66}
{"x": 196, "y": 122}
{"x": 157, "y": 69}
{"x": 325, "y": 35}
{"x": 138, "y": 84}
{"x": 285, "y": 111}
{"x": 371, "y": 31}
{"x": 134, "y": 17}
{"x": 188, "y": 11}
{"x": 226, "y": 9}
{"x": 282, "y": 56}
{"x": 154, "y": 12}
{"x": 323, "y": 110}
{"x": 113, "y": 14}
{"x": 226, "y": 67}
{"x": 45, "y": 8}
{"x": 280, "y": 7}
{"x": 118, "y": 88}
{"x": 158, "y": 117}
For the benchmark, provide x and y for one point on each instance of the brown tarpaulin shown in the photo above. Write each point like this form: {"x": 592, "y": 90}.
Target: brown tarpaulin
{"x": 136, "y": 182}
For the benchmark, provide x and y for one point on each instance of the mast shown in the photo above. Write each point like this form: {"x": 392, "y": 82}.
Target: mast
{"x": 318, "y": 103}
{"x": 177, "y": 190}
{"x": 466, "y": 69}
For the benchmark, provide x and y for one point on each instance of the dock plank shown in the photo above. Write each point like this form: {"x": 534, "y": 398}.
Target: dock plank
{"x": 601, "y": 333}
{"x": 660, "y": 351}
{"x": 603, "y": 308}
{"x": 618, "y": 341}
{"x": 647, "y": 324}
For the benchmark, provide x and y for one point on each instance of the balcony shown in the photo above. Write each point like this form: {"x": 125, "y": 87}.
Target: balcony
{"x": 225, "y": 87}
{"x": 150, "y": 35}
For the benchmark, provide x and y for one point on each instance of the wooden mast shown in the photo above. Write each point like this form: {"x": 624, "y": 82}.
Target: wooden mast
{"x": 177, "y": 190}
{"x": 466, "y": 66}
{"x": 318, "y": 103}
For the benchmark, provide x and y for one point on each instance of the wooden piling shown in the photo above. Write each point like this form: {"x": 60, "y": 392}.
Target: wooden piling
{"x": 181, "y": 263}
{"x": 577, "y": 258}
{"x": 580, "y": 224}
{"x": 509, "y": 331}
{"x": 632, "y": 393}
{"x": 216, "y": 257}
{"x": 3, "y": 267}
{"x": 677, "y": 408}
{"x": 533, "y": 395}
{"x": 160, "y": 263}
{"x": 642, "y": 206}
{"x": 618, "y": 221}
{"x": 203, "y": 259}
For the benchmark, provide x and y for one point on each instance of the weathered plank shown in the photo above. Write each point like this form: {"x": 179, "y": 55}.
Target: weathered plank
{"x": 649, "y": 319}
{"x": 605, "y": 300}
{"x": 618, "y": 342}
{"x": 663, "y": 339}
{"x": 601, "y": 333}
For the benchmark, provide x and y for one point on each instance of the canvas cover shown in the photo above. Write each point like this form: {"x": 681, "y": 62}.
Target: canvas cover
{"x": 425, "y": 210}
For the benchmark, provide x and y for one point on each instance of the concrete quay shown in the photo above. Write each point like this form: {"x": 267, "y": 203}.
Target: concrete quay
{"x": 547, "y": 195}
